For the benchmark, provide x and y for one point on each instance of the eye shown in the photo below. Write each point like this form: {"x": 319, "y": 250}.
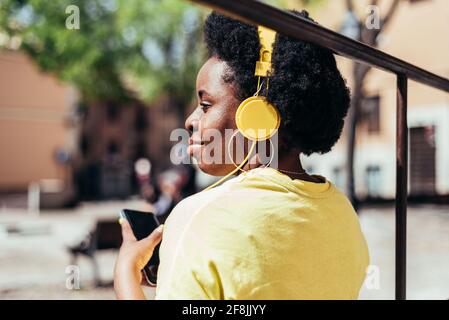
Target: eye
{"x": 205, "y": 106}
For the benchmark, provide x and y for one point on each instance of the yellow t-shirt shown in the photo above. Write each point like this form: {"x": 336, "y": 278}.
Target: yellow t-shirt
{"x": 262, "y": 235}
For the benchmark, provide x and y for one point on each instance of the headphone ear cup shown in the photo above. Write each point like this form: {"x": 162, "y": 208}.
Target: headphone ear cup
{"x": 257, "y": 119}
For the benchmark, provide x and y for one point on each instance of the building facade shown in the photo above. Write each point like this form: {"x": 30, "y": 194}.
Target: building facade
{"x": 35, "y": 130}
{"x": 417, "y": 33}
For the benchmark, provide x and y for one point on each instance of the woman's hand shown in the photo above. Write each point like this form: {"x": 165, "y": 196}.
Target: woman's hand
{"x": 132, "y": 258}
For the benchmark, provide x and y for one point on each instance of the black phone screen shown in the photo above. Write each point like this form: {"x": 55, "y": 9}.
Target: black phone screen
{"x": 142, "y": 224}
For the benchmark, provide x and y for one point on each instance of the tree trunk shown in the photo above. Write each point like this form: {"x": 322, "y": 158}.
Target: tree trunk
{"x": 368, "y": 36}
{"x": 359, "y": 73}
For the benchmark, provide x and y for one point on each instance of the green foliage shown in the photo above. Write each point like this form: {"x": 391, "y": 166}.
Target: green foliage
{"x": 123, "y": 48}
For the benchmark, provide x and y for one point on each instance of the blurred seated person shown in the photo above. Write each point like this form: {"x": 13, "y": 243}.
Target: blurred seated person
{"x": 172, "y": 186}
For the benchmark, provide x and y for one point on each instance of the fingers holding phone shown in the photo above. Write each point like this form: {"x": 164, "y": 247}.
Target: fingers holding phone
{"x": 137, "y": 253}
{"x": 138, "y": 257}
{"x": 127, "y": 232}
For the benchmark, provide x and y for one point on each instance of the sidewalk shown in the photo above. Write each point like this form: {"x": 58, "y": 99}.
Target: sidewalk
{"x": 33, "y": 266}
{"x": 33, "y": 263}
{"x": 427, "y": 251}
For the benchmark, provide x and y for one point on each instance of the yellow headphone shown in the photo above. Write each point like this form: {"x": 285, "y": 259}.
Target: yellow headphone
{"x": 256, "y": 118}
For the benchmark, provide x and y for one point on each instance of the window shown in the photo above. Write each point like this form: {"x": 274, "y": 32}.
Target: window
{"x": 338, "y": 177}
{"x": 373, "y": 181}
{"x": 113, "y": 112}
{"x": 371, "y": 113}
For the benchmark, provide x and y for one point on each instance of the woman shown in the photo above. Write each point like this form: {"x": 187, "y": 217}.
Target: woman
{"x": 267, "y": 233}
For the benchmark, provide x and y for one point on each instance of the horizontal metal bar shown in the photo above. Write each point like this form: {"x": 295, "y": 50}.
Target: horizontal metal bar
{"x": 258, "y": 13}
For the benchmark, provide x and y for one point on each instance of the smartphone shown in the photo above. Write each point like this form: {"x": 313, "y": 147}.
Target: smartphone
{"x": 142, "y": 224}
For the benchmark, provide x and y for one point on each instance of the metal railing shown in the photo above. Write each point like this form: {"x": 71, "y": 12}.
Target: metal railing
{"x": 258, "y": 13}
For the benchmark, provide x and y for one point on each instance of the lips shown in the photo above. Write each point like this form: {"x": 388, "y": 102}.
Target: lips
{"x": 194, "y": 146}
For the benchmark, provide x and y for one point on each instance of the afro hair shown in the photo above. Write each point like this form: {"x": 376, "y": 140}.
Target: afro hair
{"x": 305, "y": 86}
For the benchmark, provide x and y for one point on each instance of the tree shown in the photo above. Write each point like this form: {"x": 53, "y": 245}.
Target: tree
{"x": 121, "y": 51}
{"x": 369, "y": 36}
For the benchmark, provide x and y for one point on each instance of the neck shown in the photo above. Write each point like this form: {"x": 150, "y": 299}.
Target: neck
{"x": 290, "y": 164}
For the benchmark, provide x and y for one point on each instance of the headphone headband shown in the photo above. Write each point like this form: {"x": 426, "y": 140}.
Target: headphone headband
{"x": 266, "y": 38}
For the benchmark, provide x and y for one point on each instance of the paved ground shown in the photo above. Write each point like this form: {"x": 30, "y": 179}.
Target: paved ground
{"x": 33, "y": 265}
{"x": 427, "y": 251}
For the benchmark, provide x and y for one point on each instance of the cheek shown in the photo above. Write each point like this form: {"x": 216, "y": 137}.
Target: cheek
{"x": 218, "y": 120}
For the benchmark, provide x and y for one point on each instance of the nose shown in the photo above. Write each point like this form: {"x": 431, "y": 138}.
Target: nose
{"x": 191, "y": 123}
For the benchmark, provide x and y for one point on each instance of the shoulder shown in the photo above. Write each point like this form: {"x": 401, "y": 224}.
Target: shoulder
{"x": 248, "y": 203}
{"x": 238, "y": 225}
{"x": 238, "y": 193}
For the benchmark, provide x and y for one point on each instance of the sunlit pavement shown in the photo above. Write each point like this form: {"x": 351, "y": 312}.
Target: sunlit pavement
{"x": 33, "y": 265}
{"x": 427, "y": 251}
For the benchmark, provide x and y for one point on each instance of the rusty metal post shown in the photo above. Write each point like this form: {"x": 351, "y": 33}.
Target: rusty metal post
{"x": 401, "y": 186}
